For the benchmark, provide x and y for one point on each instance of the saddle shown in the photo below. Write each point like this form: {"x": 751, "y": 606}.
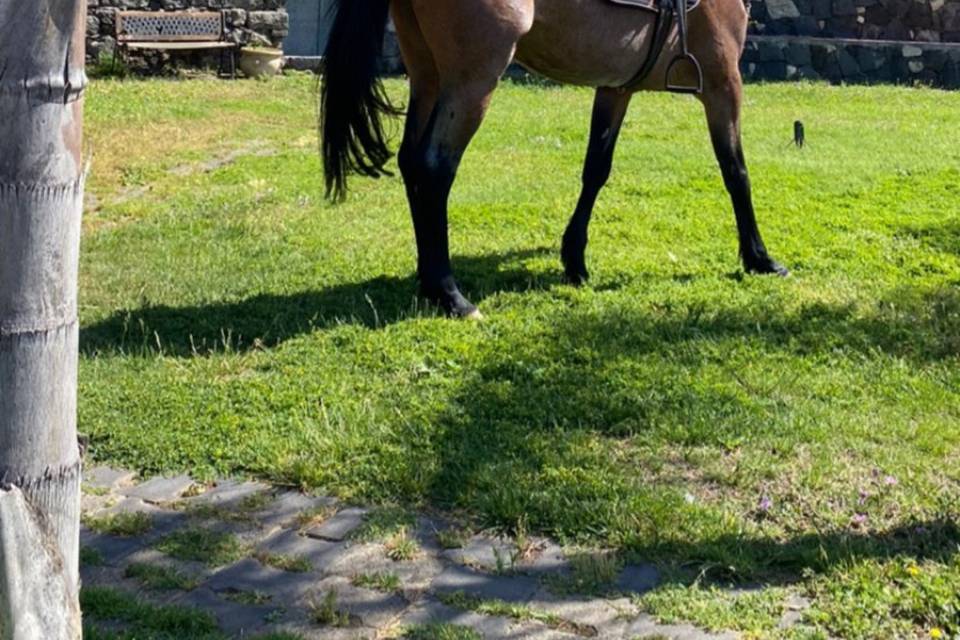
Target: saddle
{"x": 667, "y": 11}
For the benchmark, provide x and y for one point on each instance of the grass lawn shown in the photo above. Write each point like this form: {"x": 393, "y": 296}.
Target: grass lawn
{"x": 802, "y": 434}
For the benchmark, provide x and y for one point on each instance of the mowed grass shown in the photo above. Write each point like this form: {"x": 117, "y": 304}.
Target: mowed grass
{"x": 801, "y": 433}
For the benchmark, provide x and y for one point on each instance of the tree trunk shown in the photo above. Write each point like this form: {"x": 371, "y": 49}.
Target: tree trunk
{"x": 41, "y": 202}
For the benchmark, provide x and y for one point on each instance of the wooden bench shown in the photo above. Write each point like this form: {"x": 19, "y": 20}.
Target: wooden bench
{"x": 175, "y": 31}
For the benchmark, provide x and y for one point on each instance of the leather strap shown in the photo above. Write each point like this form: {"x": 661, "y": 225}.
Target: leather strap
{"x": 661, "y": 31}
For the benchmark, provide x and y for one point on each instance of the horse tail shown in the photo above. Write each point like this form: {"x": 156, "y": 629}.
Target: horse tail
{"x": 352, "y": 98}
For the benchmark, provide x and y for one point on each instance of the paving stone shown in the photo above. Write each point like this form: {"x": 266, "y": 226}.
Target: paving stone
{"x": 251, "y": 575}
{"x": 229, "y": 494}
{"x": 372, "y": 608}
{"x": 339, "y": 526}
{"x": 298, "y": 624}
{"x": 284, "y": 509}
{"x": 325, "y": 557}
{"x": 509, "y": 588}
{"x": 107, "y": 478}
{"x": 91, "y": 504}
{"x": 427, "y": 531}
{"x": 163, "y": 522}
{"x": 638, "y": 578}
{"x": 101, "y": 576}
{"x": 645, "y": 626}
{"x": 591, "y": 612}
{"x": 191, "y": 569}
{"x": 132, "y": 505}
{"x": 484, "y": 552}
{"x": 233, "y": 618}
{"x": 113, "y": 549}
{"x": 795, "y": 606}
{"x": 160, "y": 490}
{"x": 489, "y": 627}
{"x": 547, "y": 557}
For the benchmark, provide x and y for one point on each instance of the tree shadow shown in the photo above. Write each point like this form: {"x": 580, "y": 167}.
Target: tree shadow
{"x": 943, "y": 237}
{"x": 519, "y": 440}
{"x": 267, "y": 320}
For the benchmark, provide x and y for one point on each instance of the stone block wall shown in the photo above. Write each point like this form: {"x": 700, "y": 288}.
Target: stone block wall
{"x": 851, "y": 61}
{"x": 917, "y": 20}
{"x": 248, "y": 21}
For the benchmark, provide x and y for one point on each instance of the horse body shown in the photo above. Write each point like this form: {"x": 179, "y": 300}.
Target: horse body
{"x": 455, "y": 52}
{"x": 604, "y": 50}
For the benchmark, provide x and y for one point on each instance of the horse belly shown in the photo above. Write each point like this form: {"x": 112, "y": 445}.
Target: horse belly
{"x": 586, "y": 42}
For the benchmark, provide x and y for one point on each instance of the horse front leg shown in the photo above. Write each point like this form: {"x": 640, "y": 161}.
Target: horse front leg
{"x": 723, "y": 102}
{"x": 609, "y": 110}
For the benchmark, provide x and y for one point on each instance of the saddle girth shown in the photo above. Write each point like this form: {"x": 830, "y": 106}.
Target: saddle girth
{"x": 667, "y": 11}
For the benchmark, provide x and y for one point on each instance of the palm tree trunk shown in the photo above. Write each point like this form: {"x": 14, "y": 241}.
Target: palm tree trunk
{"x": 41, "y": 201}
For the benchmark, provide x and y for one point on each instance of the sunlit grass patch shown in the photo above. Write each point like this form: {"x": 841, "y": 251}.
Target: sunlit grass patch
{"x": 211, "y": 547}
{"x": 126, "y": 524}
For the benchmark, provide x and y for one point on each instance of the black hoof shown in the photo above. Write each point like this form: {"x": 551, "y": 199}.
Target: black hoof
{"x": 449, "y": 298}
{"x": 574, "y": 268}
{"x": 765, "y": 266}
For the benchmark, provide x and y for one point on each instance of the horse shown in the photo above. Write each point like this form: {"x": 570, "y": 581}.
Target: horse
{"x": 455, "y": 52}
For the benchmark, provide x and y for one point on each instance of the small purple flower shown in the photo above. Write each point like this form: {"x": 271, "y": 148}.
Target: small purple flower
{"x": 858, "y": 519}
{"x": 864, "y": 494}
{"x": 921, "y": 531}
{"x": 765, "y": 504}
{"x": 890, "y": 481}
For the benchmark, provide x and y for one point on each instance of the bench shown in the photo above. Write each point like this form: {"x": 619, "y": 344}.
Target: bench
{"x": 175, "y": 31}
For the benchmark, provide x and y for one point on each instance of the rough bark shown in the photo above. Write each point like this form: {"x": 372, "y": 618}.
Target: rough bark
{"x": 41, "y": 201}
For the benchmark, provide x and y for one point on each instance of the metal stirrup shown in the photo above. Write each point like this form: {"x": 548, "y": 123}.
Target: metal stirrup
{"x": 685, "y": 58}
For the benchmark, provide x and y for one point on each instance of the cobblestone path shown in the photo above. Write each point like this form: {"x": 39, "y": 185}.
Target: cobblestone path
{"x": 263, "y": 560}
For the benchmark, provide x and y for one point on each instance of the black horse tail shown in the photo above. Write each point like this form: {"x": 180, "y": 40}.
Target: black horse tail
{"x": 352, "y": 98}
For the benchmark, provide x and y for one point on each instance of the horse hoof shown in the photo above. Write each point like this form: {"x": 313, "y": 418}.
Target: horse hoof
{"x": 474, "y": 316}
{"x": 576, "y": 279}
{"x": 767, "y": 267}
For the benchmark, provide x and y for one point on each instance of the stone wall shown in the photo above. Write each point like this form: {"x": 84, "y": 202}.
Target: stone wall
{"x": 248, "y": 21}
{"x": 917, "y": 20}
{"x": 851, "y": 61}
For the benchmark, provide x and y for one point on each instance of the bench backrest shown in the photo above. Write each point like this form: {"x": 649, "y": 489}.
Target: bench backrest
{"x": 170, "y": 26}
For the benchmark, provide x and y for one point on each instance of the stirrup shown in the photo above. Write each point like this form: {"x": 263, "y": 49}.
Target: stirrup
{"x": 678, "y": 62}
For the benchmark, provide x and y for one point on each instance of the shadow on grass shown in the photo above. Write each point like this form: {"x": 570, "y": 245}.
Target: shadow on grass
{"x": 920, "y": 325}
{"x": 266, "y": 320}
{"x": 521, "y": 439}
{"x": 943, "y": 237}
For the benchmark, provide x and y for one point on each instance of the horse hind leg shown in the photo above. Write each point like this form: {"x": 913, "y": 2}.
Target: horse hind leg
{"x": 609, "y": 110}
{"x": 430, "y": 168}
{"x": 471, "y": 47}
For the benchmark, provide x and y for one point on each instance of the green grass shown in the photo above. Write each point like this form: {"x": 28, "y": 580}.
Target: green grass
{"x": 290, "y": 563}
{"x": 123, "y": 525}
{"x": 90, "y": 557}
{"x": 199, "y": 544}
{"x": 325, "y": 612}
{"x": 234, "y": 323}
{"x": 383, "y": 523}
{"x": 385, "y": 582}
{"x": 159, "y": 577}
{"x": 755, "y": 613}
{"x": 440, "y": 631}
{"x": 142, "y": 621}
{"x": 591, "y": 573}
{"x": 522, "y": 612}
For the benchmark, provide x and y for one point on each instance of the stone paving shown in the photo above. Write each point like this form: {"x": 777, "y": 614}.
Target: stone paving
{"x": 283, "y": 561}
